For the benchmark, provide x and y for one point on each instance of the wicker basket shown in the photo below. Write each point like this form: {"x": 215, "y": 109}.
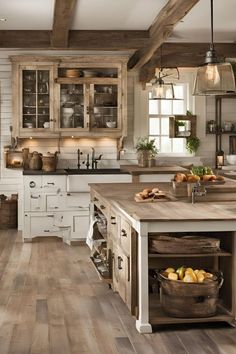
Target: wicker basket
{"x": 8, "y": 214}
{"x": 180, "y": 299}
{"x": 185, "y": 244}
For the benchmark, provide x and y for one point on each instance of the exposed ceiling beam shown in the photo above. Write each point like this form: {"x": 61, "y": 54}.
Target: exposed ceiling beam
{"x": 161, "y": 29}
{"x": 63, "y": 12}
{"x": 183, "y": 55}
{"x": 79, "y": 40}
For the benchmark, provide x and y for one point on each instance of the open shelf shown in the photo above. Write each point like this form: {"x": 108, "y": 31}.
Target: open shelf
{"x": 176, "y": 255}
{"x": 158, "y": 316}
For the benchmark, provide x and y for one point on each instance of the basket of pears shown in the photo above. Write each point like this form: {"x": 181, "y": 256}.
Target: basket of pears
{"x": 188, "y": 292}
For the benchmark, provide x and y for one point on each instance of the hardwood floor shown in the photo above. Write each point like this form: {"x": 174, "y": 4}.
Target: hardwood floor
{"x": 51, "y": 301}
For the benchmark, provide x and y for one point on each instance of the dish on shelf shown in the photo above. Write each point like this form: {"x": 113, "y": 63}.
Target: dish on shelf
{"x": 73, "y": 73}
{"x": 90, "y": 73}
{"x": 111, "y": 124}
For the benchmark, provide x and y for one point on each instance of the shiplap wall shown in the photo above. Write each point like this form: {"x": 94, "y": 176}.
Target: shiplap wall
{"x": 11, "y": 180}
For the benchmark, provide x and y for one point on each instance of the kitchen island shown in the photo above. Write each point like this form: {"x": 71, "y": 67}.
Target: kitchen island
{"x": 129, "y": 226}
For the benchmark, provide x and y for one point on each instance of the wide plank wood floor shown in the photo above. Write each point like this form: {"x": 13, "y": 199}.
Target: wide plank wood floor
{"x": 51, "y": 301}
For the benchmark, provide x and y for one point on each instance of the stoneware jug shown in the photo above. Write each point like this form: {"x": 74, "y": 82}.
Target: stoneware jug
{"x": 35, "y": 162}
{"x": 50, "y": 162}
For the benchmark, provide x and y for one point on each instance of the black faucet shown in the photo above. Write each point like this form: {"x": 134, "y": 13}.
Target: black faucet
{"x": 78, "y": 154}
{"x": 95, "y": 159}
{"x": 87, "y": 162}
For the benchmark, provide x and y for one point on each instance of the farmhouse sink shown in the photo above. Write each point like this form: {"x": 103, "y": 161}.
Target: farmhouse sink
{"x": 97, "y": 171}
{"x": 78, "y": 180}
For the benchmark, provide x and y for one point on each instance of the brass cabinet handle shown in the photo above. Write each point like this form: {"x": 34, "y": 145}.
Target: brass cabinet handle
{"x": 120, "y": 260}
{"x": 123, "y": 233}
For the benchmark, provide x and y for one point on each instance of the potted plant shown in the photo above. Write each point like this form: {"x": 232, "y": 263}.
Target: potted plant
{"x": 146, "y": 150}
{"x": 192, "y": 144}
{"x": 180, "y": 126}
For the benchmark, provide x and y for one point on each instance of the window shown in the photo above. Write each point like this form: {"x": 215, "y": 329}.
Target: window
{"x": 159, "y": 112}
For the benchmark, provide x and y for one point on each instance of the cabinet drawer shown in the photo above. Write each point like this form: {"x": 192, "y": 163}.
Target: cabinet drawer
{"x": 125, "y": 235}
{"x": 52, "y": 182}
{"x": 100, "y": 203}
{"x": 55, "y": 202}
{"x": 42, "y": 225}
{"x": 77, "y": 201}
{"x": 37, "y": 202}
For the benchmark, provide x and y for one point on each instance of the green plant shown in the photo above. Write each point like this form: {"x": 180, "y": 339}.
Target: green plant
{"x": 192, "y": 143}
{"x": 144, "y": 143}
{"x": 180, "y": 123}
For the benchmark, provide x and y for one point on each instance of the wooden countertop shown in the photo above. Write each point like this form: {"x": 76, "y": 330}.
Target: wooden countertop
{"x": 122, "y": 195}
{"x": 137, "y": 170}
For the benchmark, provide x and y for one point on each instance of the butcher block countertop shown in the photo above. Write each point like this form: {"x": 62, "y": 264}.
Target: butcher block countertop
{"x": 222, "y": 206}
{"x": 137, "y": 170}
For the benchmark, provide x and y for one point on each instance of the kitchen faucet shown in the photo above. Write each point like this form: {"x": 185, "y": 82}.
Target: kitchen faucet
{"x": 95, "y": 159}
{"x": 198, "y": 191}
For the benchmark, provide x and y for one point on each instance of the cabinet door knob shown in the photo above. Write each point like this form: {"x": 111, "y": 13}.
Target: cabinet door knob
{"x": 95, "y": 199}
{"x": 123, "y": 233}
{"x": 102, "y": 206}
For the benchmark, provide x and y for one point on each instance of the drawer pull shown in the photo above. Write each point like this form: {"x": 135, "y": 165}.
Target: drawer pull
{"x": 113, "y": 223}
{"x": 102, "y": 206}
{"x": 35, "y": 197}
{"x": 50, "y": 216}
{"x": 95, "y": 199}
{"x": 46, "y": 230}
{"x": 52, "y": 183}
{"x": 113, "y": 217}
{"x": 120, "y": 260}
{"x": 123, "y": 233}
{"x": 52, "y": 207}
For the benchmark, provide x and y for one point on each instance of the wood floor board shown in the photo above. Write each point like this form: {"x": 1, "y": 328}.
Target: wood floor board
{"x": 51, "y": 302}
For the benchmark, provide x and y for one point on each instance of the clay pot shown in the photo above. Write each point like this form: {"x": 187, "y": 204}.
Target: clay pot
{"x": 50, "y": 162}
{"x": 35, "y": 162}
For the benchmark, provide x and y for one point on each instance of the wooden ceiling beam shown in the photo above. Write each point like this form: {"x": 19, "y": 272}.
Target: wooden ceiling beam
{"x": 79, "y": 40}
{"x": 63, "y": 12}
{"x": 183, "y": 55}
{"x": 161, "y": 29}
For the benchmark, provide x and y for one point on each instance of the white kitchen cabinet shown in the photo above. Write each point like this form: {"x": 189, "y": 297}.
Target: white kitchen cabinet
{"x": 50, "y": 211}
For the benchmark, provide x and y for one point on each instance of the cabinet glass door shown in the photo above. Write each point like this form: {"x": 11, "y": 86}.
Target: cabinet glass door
{"x": 35, "y": 99}
{"x": 72, "y": 107}
{"x": 104, "y": 106}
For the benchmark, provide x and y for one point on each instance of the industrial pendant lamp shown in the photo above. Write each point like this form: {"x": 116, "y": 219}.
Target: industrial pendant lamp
{"x": 162, "y": 90}
{"x": 214, "y": 77}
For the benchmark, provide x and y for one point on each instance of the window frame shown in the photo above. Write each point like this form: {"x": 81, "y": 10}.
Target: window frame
{"x": 185, "y": 100}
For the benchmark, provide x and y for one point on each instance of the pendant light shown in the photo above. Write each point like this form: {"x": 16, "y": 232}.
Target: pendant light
{"x": 214, "y": 77}
{"x": 162, "y": 90}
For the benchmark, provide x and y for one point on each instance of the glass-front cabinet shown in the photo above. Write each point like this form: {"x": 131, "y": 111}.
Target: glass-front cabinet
{"x": 69, "y": 96}
{"x": 36, "y": 110}
{"x": 90, "y": 99}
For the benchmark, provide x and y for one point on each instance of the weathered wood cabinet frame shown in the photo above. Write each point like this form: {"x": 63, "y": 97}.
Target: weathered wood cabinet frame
{"x": 53, "y": 63}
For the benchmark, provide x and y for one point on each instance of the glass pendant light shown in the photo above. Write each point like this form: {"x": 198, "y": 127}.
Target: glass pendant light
{"x": 162, "y": 90}
{"x": 214, "y": 77}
